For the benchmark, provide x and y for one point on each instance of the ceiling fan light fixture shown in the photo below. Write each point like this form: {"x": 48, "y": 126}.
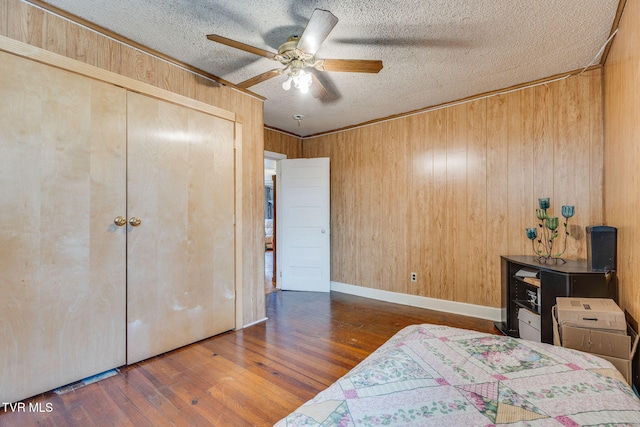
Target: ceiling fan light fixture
{"x": 286, "y": 85}
{"x": 302, "y": 81}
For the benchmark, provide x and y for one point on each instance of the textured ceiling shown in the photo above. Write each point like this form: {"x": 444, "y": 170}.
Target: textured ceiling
{"x": 434, "y": 51}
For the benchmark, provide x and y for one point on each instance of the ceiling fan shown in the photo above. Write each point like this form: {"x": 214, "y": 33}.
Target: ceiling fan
{"x": 298, "y": 53}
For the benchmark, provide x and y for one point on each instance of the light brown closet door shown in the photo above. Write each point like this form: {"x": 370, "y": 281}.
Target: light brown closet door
{"x": 180, "y": 277}
{"x": 62, "y": 258}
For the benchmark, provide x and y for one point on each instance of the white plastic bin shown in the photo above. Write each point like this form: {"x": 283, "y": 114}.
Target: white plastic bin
{"x": 529, "y": 324}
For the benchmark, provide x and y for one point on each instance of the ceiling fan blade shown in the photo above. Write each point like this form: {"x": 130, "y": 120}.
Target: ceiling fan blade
{"x": 320, "y": 25}
{"x": 241, "y": 46}
{"x": 317, "y": 88}
{"x": 349, "y": 65}
{"x": 260, "y": 78}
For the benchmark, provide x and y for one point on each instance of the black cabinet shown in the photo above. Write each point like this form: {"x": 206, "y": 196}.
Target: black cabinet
{"x": 572, "y": 279}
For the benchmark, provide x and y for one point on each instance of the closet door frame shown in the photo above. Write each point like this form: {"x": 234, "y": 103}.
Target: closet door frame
{"x": 36, "y": 54}
{"x": 46, "y": 57}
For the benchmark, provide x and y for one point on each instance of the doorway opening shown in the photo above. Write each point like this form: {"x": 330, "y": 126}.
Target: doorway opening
{"x": 271, "y": 161}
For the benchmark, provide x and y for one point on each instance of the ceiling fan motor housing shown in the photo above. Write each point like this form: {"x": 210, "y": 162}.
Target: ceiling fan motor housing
{"x": 289, "y": 54}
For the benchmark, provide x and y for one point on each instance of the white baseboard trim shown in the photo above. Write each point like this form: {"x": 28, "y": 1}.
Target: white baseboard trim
{"x": 255, "y": 323}
{"x": 480, "y": 311}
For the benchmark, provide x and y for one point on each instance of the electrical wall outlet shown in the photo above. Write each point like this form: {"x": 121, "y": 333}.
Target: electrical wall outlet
{"x": 414, "y": 277}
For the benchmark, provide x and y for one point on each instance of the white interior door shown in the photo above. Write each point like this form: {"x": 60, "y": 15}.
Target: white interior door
{"x": 62, "y": 258}
{"x": 304, "y": 225}
{"x": 180, "y": 257}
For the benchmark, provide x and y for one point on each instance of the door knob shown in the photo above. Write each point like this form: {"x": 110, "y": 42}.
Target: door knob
{"x": 135, "y": 221}
{"x": 120, "y": 221}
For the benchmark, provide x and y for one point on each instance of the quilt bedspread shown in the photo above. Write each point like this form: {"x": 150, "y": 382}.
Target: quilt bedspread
{"x": 430, "y": 375}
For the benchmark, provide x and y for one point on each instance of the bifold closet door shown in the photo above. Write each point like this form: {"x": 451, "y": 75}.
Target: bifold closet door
{"x": 180, "y": 207}
{"x": 62, "y": 258}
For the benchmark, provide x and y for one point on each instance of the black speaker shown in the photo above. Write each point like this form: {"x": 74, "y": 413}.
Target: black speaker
{"x": 601, "y": 247}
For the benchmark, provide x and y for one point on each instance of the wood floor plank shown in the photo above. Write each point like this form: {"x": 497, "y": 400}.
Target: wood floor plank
{"x": 131, "y": 414}
{"x": 275, "y": 366}
{"x": 252, "y": 377}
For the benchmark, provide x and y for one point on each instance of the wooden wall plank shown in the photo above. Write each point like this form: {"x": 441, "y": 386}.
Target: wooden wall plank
{"x": 4, "y": 16}
{"x": 82, "y": 44}
{"x": 16, "y": 20}
{"x": 390, "y": 201}
{"x": 108, "y": 55}
{"x": 572, "y": 153}
{"x": 438, "y": 211}
{"x": 455, "y": 250}
{"x": 421, "y": 176}
{"x": 498, "y": 234}
{"x": 545, "y": 133}
{"x": 345, "y": 219}
{"x": 597, "y": 141}
{"x": 474, "y": 282}
{"x": 279, "y": 142}
{"x": 32, "y": 26}
{"x": 521, "y": 196}
{"x": 139, "y": 65}
{"x": 55, "y": 34}
{"x": 622, "y": 152}
{"x": 211, "y": 92}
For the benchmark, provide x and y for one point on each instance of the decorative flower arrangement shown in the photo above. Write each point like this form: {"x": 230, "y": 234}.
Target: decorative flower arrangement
{"x": 549, "y": 233}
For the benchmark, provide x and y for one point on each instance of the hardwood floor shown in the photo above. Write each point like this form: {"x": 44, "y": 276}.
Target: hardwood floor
{"x": 252, "y": 377}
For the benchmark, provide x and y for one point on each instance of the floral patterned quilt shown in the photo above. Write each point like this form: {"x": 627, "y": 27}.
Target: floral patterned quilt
{"x": 430, "y": 375}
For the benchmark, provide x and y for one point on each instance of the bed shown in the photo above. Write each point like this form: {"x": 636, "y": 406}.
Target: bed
{"x": 431, "y": 375}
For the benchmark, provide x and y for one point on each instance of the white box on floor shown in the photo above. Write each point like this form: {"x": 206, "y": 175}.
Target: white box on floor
{"x": 601, "y": 314}
{"x": 529, "y": 325}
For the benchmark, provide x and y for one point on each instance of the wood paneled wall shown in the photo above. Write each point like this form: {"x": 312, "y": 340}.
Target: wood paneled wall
{"x": 444, "y": 193}
{"x": 622, "y": 152}
{"x": 282, "y": 143}
{"x": 28, "y": 24}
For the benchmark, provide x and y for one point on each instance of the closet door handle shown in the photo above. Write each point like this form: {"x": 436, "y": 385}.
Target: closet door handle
{"x": 134, "y": 221}
{"x": 120, "y": 221}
